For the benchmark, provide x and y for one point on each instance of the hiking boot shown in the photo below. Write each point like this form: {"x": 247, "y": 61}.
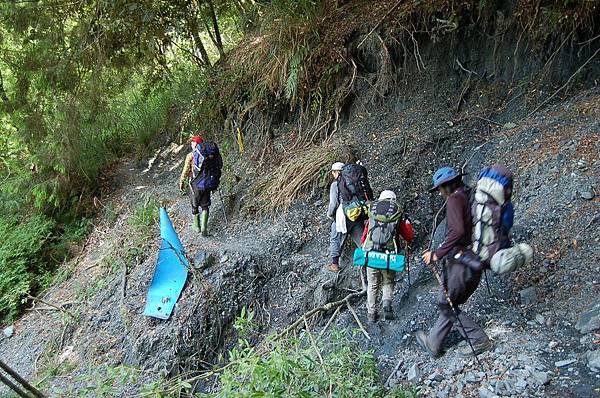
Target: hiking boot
{"x": 196, "y": 222}
{"x": 478, "y": 347}
{"x": 426, "y": 345}
{"x": 204, "y": 223}
{"x": 333, "y": 267}
{"x": 372, "y": 317}
{"x": 388, "y": 313}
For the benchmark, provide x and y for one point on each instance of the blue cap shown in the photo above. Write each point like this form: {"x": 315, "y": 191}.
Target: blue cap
{"x": 442, "y": 176}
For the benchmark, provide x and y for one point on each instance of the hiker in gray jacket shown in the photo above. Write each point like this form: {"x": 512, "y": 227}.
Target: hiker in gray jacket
{"x": 336, "y": 237}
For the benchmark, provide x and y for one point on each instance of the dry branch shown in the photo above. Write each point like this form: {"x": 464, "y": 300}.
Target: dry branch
{"x": 362, "y": 328}
{"x": 337, "y": 311}
{"x": 379, "y": 23}
{"x": 325, "y": 307}
{"x": 400, "y": 362}
{"x": 564, "y": 85}
{"x": 57, "y": 307}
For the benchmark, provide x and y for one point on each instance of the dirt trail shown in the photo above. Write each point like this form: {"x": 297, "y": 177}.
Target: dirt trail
{"x": 275, "y": 267}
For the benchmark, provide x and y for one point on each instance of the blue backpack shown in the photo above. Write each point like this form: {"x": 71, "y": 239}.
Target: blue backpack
{"x": 206, "y": 167}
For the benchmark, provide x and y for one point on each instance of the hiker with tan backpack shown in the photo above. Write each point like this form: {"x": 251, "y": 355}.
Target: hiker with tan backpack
{"x": 485, "y": 215}
{"x": 459, "y": 281}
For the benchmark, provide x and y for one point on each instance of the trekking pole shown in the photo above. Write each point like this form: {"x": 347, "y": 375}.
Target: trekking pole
{"x": 223, "y": 207}
{"x": 24, "y": 383}
{"x": 13, "y": 387}
{"x": 407, "y": 256}
{"x": 445, "y": 291}
{"x": 487, "y": 283}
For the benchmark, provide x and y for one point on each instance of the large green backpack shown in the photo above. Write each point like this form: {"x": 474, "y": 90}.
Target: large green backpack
{"x": 384, "y": 217}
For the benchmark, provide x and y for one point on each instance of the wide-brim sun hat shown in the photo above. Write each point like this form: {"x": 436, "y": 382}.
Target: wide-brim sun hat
{"x": 442, "y": 176}
{"x": 337, "y": 166}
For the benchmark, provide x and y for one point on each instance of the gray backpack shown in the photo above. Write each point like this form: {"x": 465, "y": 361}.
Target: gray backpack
{"x": 384, "y": 218}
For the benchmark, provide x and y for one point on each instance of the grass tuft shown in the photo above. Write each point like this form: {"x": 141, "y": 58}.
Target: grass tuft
{"x": 304, "y": 171}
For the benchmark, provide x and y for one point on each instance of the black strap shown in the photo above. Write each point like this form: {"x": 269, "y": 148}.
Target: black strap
{"x": 388, "y": 261}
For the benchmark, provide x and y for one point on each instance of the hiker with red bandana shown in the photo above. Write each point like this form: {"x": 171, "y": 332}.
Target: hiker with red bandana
{"x": 201, "y": 173}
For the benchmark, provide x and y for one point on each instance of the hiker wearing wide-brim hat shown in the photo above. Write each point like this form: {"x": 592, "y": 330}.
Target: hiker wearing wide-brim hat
{"x": 459, "y": 281}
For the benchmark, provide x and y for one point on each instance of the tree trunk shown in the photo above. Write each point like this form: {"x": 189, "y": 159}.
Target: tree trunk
{"x": 3, "y": 94}
{"x": 192, "y": 23}
{"x": 215, "y": 22}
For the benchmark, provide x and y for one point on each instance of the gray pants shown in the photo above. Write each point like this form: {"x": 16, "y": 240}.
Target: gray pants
{"x": 461, "y": 282}
{"x": 337, "y": 239}
{"x": 379, "y": 279}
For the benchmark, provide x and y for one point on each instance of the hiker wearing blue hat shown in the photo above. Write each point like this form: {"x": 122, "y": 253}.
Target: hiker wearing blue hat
{"x": 459, "y": 281}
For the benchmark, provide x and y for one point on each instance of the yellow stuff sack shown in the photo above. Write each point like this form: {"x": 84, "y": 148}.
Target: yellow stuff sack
{"x": 356, "y": 211}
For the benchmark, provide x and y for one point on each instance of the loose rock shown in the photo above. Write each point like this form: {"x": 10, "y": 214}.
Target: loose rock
{"x": 485, "y": 393}
{"x": 413, "y": 373}
{"x": 528, "y": 295}
{"x": 589, "y": 320}
{"x": 9, "y": 331}
{"x": 541, "y": 378}
{"x": 593, "y": 359}
{"x": 563, "y": 363}
{"x": 587, "y": 195}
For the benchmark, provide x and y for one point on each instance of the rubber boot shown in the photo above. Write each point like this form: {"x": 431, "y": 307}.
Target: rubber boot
{"x": 204, "y": 223}
{"x": 388, "y": 313}
{"x": 196, "y": 222}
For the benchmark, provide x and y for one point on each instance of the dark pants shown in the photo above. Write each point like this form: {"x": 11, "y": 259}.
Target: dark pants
{"x": 461, "y": 282}
{"x": 200, "y": 199}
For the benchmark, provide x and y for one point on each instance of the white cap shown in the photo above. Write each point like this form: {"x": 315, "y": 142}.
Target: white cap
{"x": 337, "y": 166}
{"x": 387, "y": 194}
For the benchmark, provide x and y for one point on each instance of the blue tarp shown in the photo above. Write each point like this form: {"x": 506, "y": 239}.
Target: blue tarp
{"x": 170, "y": 273}
{"x": 393, "y": 262}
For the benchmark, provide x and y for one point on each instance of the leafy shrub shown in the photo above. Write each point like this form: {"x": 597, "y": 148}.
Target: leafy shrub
{"x": 305, "y": 367}
{"x": 107, "y": 381}
{"x": 144, "y": 215}
{"x": 22, "y": 243}
{"x": 296, "y": 367}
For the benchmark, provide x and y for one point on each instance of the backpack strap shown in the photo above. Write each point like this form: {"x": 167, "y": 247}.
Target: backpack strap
{"x": 196, "y": 168}
{"x": 482, "y": 225}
